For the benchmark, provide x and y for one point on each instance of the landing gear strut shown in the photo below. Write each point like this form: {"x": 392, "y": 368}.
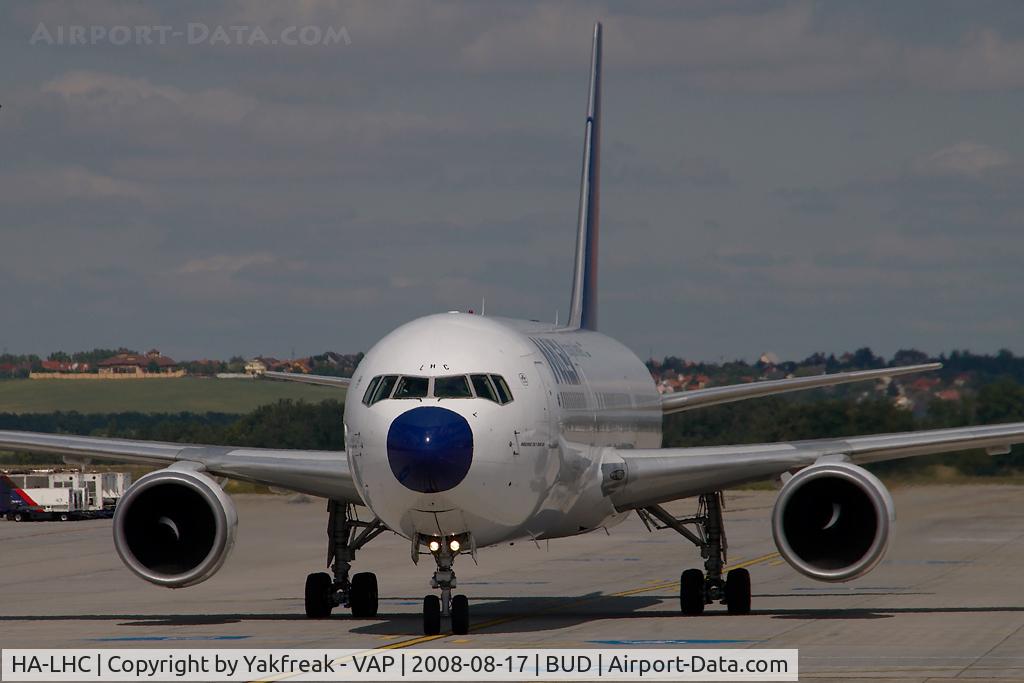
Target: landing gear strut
{"x": 697, "y": 588}
{"x": 346, "y": 534}
{"x": 444, "y": 552}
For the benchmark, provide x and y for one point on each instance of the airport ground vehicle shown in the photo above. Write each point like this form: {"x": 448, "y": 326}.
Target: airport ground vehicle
{"x": 61, "y": 495}
{"x": 63, "y": 504}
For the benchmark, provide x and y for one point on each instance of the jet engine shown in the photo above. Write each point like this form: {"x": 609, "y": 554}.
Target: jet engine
{"x": 175, "y": 527}
{"x": 833, "y": 521}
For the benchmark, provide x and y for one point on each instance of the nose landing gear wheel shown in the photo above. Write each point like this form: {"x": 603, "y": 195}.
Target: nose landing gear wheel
{"x": 460, "y": 615}
{"x": 737, "y": 591}
{"x": 363, "y": 595}
{"x": 431, "y": 615}
{"x": 691, "y": 592}
{"x": 319, "y": 602}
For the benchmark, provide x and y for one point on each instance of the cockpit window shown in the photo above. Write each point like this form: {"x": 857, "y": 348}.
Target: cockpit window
{"x": 387, "y": 383}
{"x": 412, "y": 387}
{"x": 489, "y": 387}
{"x": 452, "y": 387}
{"x": 504, "y": 394}
{"x": 369, "y": 390}
{"x": 483, "y": 388}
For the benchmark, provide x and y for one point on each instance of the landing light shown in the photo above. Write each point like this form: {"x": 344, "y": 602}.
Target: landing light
{"x": 434, "y": 546}
{"x": 454, "y": 545}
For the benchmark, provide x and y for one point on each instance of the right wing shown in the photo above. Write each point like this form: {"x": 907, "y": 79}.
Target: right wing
{"x": 318, "y": 473}
{"x": 642, "y": 477}
{"x": 323, "y": 380}
{"x": 701, "y": 398}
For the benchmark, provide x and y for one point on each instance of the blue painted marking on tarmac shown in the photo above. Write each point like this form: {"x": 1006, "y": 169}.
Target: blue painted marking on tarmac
{"x": 688, "y": 641}
{"x": 129, "y": 639}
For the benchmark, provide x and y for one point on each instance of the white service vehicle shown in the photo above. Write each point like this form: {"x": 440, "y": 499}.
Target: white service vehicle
{"x": 63, "y": 504}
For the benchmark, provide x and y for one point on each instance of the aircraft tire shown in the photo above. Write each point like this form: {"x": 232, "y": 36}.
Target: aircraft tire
{"x": 460, "y": 615}
{"x": 737, "y": 591}
{"x": 363, "y": 595}
{"x": 691, "y": 592}
{"x": 318, "y": 595}
{"x": 431, "y": 615}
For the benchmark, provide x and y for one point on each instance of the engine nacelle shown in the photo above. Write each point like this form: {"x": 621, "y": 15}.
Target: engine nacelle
{"x": 833, "y": 521}
{"x": 175, "y": 527}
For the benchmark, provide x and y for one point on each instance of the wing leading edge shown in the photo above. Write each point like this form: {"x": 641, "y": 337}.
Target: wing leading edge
{"x": 637, "y": 478}
{"x": 318, "y": 473}
{"x": 702, "y": 398}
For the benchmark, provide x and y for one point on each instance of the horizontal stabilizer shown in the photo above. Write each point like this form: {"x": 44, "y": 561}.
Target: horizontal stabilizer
{"x": 701, "y": 398}
{"x": 322, "y": 380}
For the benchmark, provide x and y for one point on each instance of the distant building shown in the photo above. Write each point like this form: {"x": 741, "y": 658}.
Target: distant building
{"x": 61, "y": 366}
{"x": 152, "y": 363}
{"x": 260, "y": 364}
{"x": 256, "y": 366}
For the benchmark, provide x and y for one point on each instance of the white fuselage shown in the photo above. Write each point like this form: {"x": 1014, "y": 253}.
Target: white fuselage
{"x": 516, "y": 478}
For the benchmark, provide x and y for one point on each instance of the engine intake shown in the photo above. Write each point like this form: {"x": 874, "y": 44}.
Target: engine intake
{"x": 175, "y": 527}
{"x": 833, "y": 521}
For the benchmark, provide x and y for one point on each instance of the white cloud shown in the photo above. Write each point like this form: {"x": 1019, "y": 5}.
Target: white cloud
{"x": 965, "y": 158}
{"x": 109, "y": 92}
{"x": 226, "y": 263}
{"x": 68, "y": 183}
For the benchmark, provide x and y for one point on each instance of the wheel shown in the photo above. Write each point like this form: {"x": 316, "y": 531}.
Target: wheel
{"x": 362, "y": 596}
{"x": 691, "y": 592}
{"x": 18, "y": 517}
{"x": 431, "y": 615}
{"x": 460, "y": 615}
{"x": 737, "y": 591}
{"x": 319, "y": 591}
{"x": 64, "y": 517}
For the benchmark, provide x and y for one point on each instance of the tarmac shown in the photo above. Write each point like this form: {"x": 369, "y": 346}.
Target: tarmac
{"x": 947, "y": 602}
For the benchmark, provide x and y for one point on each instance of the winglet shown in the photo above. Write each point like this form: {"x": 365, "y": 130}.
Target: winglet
{"x": 583, "y": 307}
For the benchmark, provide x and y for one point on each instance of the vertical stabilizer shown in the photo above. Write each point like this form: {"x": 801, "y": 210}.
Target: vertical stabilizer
{"x": 583, "y": 307}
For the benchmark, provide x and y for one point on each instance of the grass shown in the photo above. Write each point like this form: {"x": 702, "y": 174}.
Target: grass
{"x": 185, "y": 394}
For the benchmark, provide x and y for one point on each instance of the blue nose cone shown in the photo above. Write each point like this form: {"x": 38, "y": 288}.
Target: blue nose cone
{"x": 430, "y": 449}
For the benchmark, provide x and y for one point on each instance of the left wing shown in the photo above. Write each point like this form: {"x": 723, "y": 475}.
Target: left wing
{"x": 318, "y": 473}
{"x": 642, "y": 477}
{"x": 712, "y": 396}
{"x": 323, "y": 380}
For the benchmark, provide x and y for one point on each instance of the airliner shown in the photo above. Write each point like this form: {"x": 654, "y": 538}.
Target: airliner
{"x": 464, "y": 431}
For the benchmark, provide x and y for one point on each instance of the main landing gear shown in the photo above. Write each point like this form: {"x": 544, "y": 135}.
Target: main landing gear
{"x": 444, "y": 551}
{"x": 346, "y": 534}
{"x": 699, "y": 588}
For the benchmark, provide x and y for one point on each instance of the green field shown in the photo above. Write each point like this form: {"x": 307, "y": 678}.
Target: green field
{"x": 185, "y": 394}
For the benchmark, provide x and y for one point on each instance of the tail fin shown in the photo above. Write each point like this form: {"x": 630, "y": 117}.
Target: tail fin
{"x": 583, "y": 307}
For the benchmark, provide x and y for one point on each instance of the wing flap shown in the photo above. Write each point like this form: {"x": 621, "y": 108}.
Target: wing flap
{"x": 652, "y": 476}
{"x": 318, "y": 473}
{"x": 702, "y": 398}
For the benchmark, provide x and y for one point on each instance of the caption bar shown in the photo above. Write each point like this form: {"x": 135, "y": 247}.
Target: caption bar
{"x": 394, "y": 665}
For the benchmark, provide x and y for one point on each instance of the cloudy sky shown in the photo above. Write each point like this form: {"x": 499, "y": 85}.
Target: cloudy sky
{"x": 780, "y": 176}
